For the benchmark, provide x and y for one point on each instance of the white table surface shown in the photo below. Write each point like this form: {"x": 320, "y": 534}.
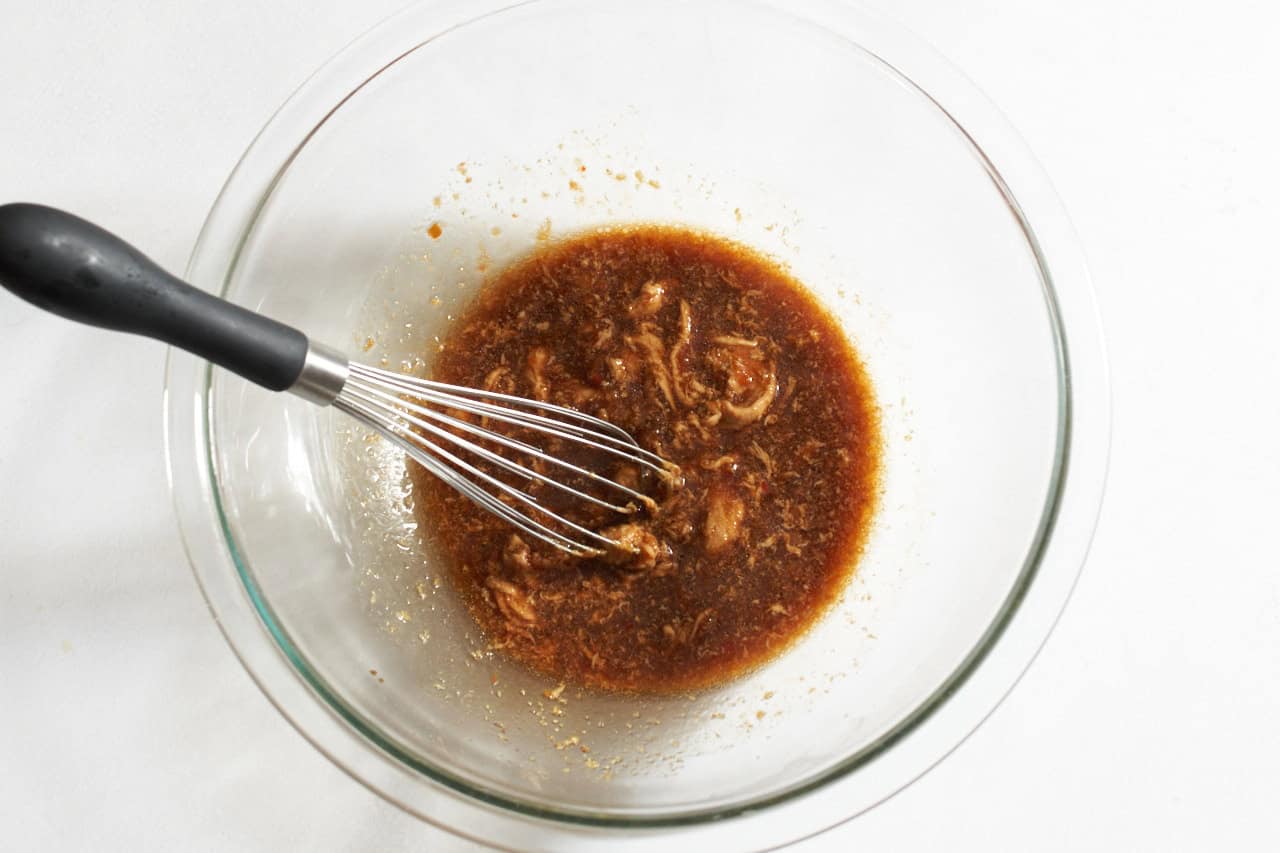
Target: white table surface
{"x": 1151, "y": 721}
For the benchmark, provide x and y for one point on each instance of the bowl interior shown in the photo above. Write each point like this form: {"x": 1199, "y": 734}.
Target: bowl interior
{"x": 551, "y": 117}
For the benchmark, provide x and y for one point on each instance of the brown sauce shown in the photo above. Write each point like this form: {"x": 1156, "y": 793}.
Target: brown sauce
{"x": 715, "y": 358}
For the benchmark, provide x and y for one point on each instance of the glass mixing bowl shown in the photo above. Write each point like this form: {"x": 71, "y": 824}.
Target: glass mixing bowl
{"x": 810, "y": 130}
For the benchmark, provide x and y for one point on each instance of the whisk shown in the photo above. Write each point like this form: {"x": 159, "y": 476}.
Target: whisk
{"x": 75, "y": 269}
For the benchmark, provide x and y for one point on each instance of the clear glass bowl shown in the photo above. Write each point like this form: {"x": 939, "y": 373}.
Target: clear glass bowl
{"x": 812, "y": 131}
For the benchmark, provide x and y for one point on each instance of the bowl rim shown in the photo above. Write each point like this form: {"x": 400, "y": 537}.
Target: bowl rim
{"x": 915, "y": 743}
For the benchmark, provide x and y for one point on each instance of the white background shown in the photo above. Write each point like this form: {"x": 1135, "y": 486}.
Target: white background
{"x": 1151, "y": 720}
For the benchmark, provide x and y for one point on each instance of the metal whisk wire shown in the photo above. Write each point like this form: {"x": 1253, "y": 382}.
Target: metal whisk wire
{"x": 415, "y": 413}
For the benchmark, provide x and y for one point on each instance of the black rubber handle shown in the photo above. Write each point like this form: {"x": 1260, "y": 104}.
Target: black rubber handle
{"x": 63, "y": 264}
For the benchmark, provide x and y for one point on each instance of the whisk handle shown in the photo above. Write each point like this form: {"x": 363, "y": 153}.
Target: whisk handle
{"x": 73, "y": 268}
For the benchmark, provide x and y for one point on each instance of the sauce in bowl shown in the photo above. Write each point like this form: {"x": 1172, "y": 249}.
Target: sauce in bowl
{"x": 716, "y": 359}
